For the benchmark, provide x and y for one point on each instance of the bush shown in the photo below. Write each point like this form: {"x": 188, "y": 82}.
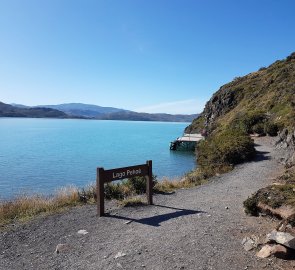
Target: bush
{"x": 248, "y": 120}
{"x": 138, "y": 184}
{"x": 223, "y": 149}
{"x": 114, "y": 191}
{"x": 271, "y": 129}
{"x": 258, "y": 129}
{"x": 250, "y": 206}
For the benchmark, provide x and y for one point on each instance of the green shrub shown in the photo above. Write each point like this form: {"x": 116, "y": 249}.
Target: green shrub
{"x": 114, "y": 191}
{"x": 138, "y": 184}
{"x": 258, "y": 129}
{"x": 271, "y": 129}
{"x": 250, "y": 206}
{"x": 248, "y": 120}
{"x": 221, "y": 150}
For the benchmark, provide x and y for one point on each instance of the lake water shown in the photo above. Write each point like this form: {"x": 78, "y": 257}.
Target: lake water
{"x": 40, "y": 155}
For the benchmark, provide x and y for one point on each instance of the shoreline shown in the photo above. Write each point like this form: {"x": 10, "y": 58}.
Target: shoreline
{"x": 191, "y": 227}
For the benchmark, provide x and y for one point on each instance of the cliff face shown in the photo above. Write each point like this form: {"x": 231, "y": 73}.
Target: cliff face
{"x": 286, "y": 140}
{"x": 269, "y": 92}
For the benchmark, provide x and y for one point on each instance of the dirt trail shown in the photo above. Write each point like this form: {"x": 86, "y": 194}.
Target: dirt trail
{"x": 198, "y": 228}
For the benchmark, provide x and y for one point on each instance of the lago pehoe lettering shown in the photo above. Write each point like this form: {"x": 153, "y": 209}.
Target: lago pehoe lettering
{"x": 127, "y": 173}
{"x": 104, "y": 176}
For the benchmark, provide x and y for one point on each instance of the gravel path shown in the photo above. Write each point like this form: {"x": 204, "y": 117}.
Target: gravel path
{"x": 198, "y": 228}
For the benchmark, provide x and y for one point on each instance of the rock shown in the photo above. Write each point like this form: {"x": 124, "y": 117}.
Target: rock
{"x": 62, "y": 248}
{"x": 280, "y": 251}
{"x": 250, "y": 242}
{"x": 282, "y": 238}
{"x": 120, "y": 254}
{"x": 83, "y": 232}
{"x": 265, "y": 252}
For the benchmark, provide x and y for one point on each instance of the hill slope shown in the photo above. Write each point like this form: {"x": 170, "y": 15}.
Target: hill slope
{"x": 262, "y": 102}
{"x": 7, "y": 110}
{"x": 81, "y": 110}
{"x": 135, "y": 116}
{"x": 85, "y": 110}
{"x": 267, "y": 94}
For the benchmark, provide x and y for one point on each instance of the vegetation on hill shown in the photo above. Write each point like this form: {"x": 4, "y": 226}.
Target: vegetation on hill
{"x": 264, "y": 96}
{"x": 7, "y": 110}
{"x": 262, "y": 102}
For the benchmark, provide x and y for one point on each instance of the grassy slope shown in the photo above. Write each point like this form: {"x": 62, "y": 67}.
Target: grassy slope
{"x": 249, "y": 104}
{"x": 270, "y": 90}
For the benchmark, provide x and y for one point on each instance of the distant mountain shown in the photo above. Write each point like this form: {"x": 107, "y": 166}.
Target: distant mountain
{"x": 135, "y": 116}
{"x": 80, "y": 110}
{"x": 84, "y": 110}
{"x": 7, "y": 110}
{"x": 19, "y": 105}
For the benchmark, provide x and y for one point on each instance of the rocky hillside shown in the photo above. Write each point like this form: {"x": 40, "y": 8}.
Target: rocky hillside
{"x": 262, "y": 102}
{"x": 264, "y": 96}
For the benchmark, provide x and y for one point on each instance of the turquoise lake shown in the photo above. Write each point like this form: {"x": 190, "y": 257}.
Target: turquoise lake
{"x": 41, "y": 155}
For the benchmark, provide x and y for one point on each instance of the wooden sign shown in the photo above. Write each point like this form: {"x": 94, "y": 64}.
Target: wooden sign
{"x": 104, "y": 176}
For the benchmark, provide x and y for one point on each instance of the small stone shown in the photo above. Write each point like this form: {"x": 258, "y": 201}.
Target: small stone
{"x": 128, "y": 222}
{"x": 249, "y": 243}
{"x": 82, "y": 232}
{"x": 62, "y": 248}
{"x": 120, "y": 254}
{"x": 265, "y": 252}
{"x": 226, "y": 207}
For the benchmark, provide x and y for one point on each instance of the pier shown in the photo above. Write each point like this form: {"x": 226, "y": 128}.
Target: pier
{"x": 186, "y": 143}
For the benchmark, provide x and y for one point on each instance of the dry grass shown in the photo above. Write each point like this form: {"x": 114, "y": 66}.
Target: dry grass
{"x": 167, "y": 185}
{"x": 132, "y": 201}
{"x": 25, "y": 207}
{"x": 274, "y": 195}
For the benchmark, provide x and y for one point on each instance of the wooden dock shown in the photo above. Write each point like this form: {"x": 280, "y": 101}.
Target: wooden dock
{"x": 186, "y": 143}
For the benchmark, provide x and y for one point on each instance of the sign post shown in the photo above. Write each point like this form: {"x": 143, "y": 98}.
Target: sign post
{"x": 104, "y": 176}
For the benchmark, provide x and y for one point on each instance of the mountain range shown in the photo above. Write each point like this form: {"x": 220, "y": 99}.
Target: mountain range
{"x": 7, "y": 110}
{"x": 87, "y": 111}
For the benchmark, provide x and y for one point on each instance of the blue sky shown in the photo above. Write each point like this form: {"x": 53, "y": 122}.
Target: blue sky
{"x": 153, "y": 55}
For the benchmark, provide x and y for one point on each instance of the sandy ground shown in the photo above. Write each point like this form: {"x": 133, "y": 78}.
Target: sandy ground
{"x": 198, "y": 228}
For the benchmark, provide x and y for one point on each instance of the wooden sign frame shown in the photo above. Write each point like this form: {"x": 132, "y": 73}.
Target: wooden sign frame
{"x": 105, "y": 176}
